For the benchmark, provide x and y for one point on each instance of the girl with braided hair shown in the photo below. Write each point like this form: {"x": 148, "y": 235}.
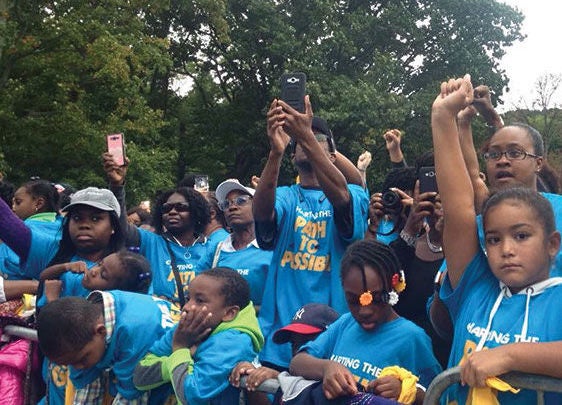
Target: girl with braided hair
{"x": 371, "y": 348}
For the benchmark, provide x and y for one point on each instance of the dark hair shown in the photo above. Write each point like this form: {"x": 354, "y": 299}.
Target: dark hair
{"x": 403, "y": 178}
{"x": 7, "y": 191}
{"x": 143, "y": 214}
{"x": 67, "y": 249}
{"x": 188, "y": 180}
{"x": 65, "y": 194}
{"x": 369, "y": 252}
{"x": 214, "y": 205}
{"x": 534, "y": 135}
{"x": 137, "y": 270}
{"x": 425, "y": 159}
{"x": 46, "y": 190}
{"x": 67, "y": 325}
{"x": 548, "y": 180}
{"x": 198, "y": 207}
{"x": 234, "y": 289}
{"x": 540, "y": 205}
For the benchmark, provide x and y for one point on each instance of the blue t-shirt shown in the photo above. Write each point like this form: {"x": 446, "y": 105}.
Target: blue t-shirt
{"x": 250, "y": 262}
{"x": 470, "y": 305}
{"x": 556, "y": 203}
{"x": 399, "y": 342}
{"x": 213, "y": 361}
{"x": 133, "y": 312}
{"x": 305, "y": 266}
{"x": 71, "y": 284}
{"x": 153, "y": 247}
{"x": 126, "y": 347}
{"x": 10, "y": 261}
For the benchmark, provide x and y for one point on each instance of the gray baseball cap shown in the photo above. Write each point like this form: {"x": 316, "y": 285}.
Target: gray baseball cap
{"x": 99, "y": 198}
{"x": 230, "y": 185}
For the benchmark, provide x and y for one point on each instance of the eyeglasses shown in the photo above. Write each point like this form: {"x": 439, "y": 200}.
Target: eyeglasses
{"x": 239, "y": 201}
{"x": 510, "y": 154}
{"x": 179, "y": 207}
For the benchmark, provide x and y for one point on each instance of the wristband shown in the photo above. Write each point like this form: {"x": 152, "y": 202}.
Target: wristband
{"x": 409, "y": 239}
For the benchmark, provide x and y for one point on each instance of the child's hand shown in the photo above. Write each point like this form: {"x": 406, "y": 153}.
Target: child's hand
{"x": 255, "y": 376}
{"x": 455, "y": 95}
{"x": 52, "y": 290}
{"x": 387, "y": 387}
{"x": 193, "y": 327}
{"x": 338, "y": 381}
{"x": 238, "y": 371}
{"x": 77, "y": 267}
{"x": 478, "y": 366}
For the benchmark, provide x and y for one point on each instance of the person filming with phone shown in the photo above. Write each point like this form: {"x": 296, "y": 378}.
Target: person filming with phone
{"x": 307, "y": 225}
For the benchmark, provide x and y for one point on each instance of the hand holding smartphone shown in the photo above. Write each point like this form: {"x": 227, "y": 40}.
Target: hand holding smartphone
{"x": 116, "y": 146}
{"x": 293, "y": 90}
{"x": 428, "y": 179}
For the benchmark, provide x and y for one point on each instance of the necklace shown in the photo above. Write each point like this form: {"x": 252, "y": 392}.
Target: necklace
{"x": 187, "y": 254}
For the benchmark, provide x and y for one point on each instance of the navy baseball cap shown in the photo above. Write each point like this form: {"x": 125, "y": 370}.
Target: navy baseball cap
{"x": 310, "y": 319}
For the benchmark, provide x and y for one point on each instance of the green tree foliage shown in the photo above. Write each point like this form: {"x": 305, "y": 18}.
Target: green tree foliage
{"x": 370, "y": 66}
{"x": 73, "y": 70}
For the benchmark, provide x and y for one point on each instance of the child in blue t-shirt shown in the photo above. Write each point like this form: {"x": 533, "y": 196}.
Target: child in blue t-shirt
{"x": 123, "y": 270}
{"x": 504, "y": 306}
{"x": 109, "y": 330}
{"x": 371, "y": 348}
{"x": 218, "y": 328}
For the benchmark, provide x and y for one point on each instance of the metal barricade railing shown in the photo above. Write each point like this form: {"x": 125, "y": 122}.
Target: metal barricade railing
{"x": 538, "y": 383}
{"x": 21, "y": 332}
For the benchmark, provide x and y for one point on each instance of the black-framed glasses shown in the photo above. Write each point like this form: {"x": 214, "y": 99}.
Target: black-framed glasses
{"x": 510, "y": 154}
{"x": 179, "y": 207}
{"x": 239, "y": 201}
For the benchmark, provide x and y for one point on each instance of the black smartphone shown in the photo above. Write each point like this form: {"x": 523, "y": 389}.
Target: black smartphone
{"x": 293, "y": 89}
{"x": 428, "y": 179}
{"x": 116, "y": 146}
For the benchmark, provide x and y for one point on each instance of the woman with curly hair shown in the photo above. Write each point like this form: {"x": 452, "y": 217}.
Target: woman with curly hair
{"x": 180, "y": 216}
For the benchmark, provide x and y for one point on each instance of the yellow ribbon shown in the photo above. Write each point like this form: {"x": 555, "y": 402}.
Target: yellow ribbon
{"x": 488, "y": 395}
{"x": 409, "y": 389}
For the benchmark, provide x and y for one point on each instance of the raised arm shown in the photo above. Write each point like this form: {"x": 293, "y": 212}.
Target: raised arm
{"x": 330, "y": 179}
{"x": 363, "y": 162}
{"x": 393, "y": 140}
{"x": 460, "y": 239}
{"x": 264, "y": 198}
{"x": 464, "y": 123}
{"x": 13, "y": 231}
{"x": 116, "y": 177}
{"x": 483, "y": 104}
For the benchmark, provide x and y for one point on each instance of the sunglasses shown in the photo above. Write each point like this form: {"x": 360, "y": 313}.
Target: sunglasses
{"x": 239, "y": 201}
{"x": 179, "y": 207}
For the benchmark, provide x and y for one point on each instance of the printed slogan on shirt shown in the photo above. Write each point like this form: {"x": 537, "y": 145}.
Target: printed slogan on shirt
{"x": 311, "y": 231}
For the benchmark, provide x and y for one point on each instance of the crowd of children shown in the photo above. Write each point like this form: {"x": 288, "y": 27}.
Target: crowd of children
{"x": 300, "y": 284}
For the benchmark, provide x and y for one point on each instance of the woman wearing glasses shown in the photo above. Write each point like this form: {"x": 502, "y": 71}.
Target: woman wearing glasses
{"x": 240, "y": 250}
{"x": 180, "y": 216}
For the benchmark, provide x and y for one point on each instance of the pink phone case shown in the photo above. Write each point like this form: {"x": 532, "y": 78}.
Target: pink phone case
{"x": 116, "y": 146}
